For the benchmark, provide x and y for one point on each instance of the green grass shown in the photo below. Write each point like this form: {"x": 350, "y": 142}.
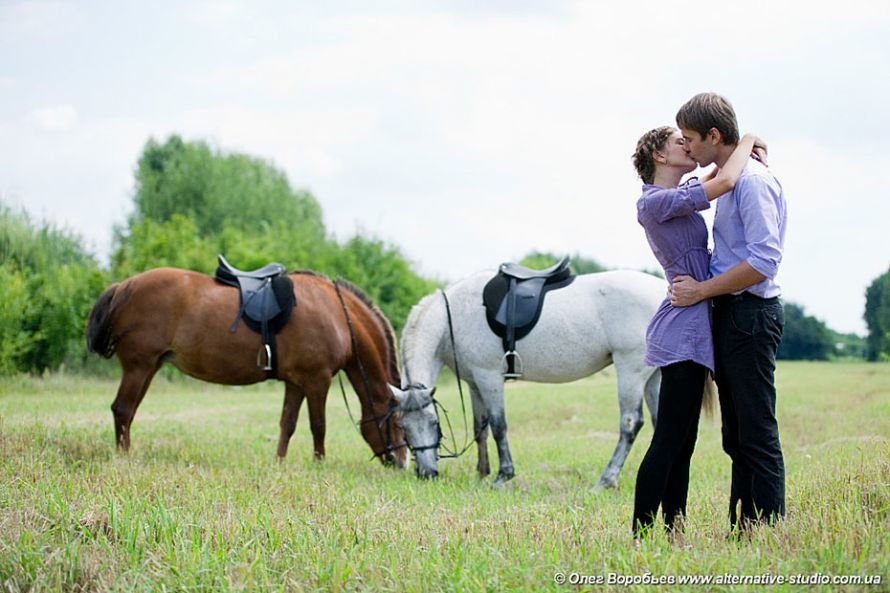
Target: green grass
{"x": 201, "y": 504}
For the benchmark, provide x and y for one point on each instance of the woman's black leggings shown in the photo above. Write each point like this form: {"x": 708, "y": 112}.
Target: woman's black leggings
{"x": 663, "y": 478}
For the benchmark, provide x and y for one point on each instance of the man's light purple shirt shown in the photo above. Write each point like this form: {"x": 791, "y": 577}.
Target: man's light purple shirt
{"x": 749, "y": 225}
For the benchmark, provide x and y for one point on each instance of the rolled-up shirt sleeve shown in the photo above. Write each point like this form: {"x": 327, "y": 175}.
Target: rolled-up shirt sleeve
{"x": 664, "y": 204}
{"x": 760, "y": 208}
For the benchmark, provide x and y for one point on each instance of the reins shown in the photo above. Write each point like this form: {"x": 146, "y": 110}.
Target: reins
{"x": 388, "y": 447}
{"x": 454, "y": 453}
{"x": 449, "y": 453}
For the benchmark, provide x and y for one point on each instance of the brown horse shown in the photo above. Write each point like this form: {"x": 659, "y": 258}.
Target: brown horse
{"x": 183, "y": 317}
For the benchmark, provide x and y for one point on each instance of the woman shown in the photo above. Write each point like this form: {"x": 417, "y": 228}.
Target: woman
{"x": 679, "y": 339}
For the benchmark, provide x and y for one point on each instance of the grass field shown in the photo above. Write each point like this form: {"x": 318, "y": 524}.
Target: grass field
{"x": 201, "y": 504}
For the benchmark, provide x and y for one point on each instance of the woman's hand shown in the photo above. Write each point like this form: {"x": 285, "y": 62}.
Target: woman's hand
{"x": 759, "y": 151}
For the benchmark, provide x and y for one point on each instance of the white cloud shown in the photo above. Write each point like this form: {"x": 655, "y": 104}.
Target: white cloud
{"x": 82, "y": 179}
{"x": 56, "y": 118}
{"x": 24, "y": 20}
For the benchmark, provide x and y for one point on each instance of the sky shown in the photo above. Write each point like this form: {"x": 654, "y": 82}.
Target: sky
{"x": 467, "y": 133}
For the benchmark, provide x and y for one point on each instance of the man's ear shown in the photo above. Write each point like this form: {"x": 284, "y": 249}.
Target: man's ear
{"x": 714, "y": 136}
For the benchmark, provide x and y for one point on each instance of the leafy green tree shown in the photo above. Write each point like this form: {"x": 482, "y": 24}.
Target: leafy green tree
{"x": 215, "y": 188}
{"x": 193, "y": 202}
{"x": 877, "y": 317}
{"x": 849, "y": 346}
{"x": 48, "y": 283}
{"x": 14, "y": 341}
{"x": 252, "y": 250}
{"x": 175, "y": 243}
{"x": 804, "y": 337}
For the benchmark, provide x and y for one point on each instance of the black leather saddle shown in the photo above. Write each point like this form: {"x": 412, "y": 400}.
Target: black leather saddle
{"x": 513, "y": 302}
{"x": 266, "y": 303}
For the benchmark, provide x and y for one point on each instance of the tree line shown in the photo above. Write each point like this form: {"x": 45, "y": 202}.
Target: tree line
{"x": 877, "y": 318}
{"x": 192, "y": 202}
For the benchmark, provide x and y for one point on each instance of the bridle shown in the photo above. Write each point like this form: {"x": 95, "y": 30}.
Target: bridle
{"x": 386, "y": 454}
{"x": 417, "y": 408}
{"x": 449, "y": 453}
{"x": 380, "y": 421}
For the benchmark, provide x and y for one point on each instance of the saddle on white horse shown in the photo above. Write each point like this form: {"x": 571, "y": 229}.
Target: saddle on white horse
{"x": 513, "y": 301}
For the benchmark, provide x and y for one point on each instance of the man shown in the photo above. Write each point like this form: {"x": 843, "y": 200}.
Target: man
{"x": 749, "y": 235}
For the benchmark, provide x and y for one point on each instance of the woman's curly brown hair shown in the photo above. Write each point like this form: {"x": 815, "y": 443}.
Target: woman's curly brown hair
{"x": 642, "y": 157}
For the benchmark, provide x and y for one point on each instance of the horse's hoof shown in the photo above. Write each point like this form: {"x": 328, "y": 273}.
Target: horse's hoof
{"x": 603, "y": 485}
{"x": 502, "y": 480}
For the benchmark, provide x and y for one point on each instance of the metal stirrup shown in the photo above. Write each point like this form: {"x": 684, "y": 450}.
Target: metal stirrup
{"x": 518, "y": 365}
{"x": 259, "y": 358}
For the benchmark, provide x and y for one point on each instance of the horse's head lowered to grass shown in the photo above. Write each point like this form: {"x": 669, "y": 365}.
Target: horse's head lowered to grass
{"x": 420, "y": 421}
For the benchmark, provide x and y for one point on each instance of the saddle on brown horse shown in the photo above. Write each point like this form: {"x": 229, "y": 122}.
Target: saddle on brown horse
{"x": 266, "y": 302}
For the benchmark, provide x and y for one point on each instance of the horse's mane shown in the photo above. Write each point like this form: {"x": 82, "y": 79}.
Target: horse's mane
{"x": 388, "y": 331}
{"x": 308, "y": 273}
{"x": 410, "y": 330}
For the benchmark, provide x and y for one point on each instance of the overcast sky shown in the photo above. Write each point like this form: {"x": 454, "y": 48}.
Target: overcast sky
{"x": 465, "y": 132}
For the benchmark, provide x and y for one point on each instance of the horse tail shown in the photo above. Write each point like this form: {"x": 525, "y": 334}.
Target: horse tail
{"x": 100, "y": 338}
{"x": 709, "y": 397}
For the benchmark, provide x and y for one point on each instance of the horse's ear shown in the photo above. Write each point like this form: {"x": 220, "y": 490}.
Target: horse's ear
{"x": 397, "y": 393}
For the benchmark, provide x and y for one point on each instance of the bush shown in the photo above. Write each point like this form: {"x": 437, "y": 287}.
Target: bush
{"x": 48, "y": 283}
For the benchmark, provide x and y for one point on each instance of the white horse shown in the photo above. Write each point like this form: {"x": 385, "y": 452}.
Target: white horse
{"x": 597, "y": 320}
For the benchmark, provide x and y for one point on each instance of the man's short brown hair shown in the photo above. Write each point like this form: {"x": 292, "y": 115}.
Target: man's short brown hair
{"x": 709, "y": 110}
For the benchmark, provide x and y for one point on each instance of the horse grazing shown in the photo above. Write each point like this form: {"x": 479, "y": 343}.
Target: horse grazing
{"x": 597, "y": 320}
{"x": 184, "y": 317}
